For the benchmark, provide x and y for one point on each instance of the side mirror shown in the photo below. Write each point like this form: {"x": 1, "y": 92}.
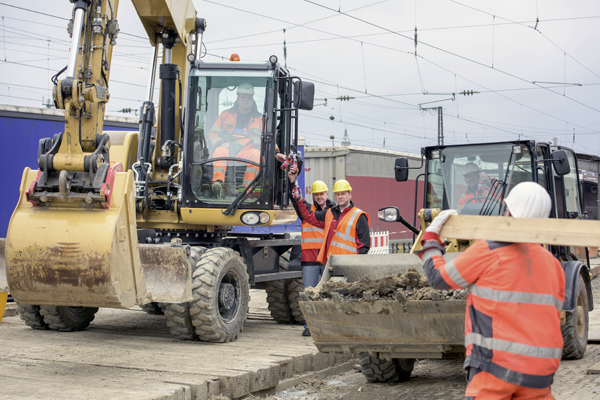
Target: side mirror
{"x": 389, "y": 214}
{"x": 401, "y": 169}
{"x": 560, "y": 162}
{"x": 304, "y": 95}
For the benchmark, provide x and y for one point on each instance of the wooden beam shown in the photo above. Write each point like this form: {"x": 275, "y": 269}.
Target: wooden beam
{"x": 565, "y": 232}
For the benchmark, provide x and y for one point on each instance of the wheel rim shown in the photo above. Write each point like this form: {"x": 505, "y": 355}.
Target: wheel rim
{"x": 229, "y": 296}
{"x": 580, "y": 317}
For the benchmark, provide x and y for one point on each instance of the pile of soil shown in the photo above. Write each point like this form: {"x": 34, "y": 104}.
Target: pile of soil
{"x": 408, "y": 286}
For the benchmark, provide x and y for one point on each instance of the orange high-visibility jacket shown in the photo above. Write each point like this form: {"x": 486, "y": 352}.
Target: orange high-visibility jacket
{"x": 516, "y": 293}
{"x": 344, "y": 237}
{"x": 226, "y": 123}
{"x": 312, "y": 237}
{"x": 469, "y": 195}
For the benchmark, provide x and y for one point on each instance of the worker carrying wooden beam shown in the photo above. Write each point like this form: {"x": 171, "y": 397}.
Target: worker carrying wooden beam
{"x": 516, "y": 292}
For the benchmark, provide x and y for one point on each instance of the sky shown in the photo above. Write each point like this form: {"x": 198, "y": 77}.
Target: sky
{"x": 532, "y": 65}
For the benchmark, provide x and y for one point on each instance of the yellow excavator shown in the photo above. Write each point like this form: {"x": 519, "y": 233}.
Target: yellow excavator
{"x": 133, "y": 218}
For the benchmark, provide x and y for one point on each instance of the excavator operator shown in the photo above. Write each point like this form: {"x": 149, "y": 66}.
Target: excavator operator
{"x": 478, "y": 185}
{"x": 237, "y": 133}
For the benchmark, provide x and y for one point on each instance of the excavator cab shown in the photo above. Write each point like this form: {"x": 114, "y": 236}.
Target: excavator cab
{"x": 238, "y": 118}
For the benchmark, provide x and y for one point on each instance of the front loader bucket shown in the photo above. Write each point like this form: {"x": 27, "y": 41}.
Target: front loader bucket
{"x": 375, "y": 266}
{"x": 413, "y": 329}
{"x": 404, "y": 329}
{"x": 74, "y": 255}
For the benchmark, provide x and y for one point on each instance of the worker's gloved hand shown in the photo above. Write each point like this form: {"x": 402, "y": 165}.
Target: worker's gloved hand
{"x": 292, "y": 175}
{"x": 439, "y": 221}
{"x": 297, "y": 194}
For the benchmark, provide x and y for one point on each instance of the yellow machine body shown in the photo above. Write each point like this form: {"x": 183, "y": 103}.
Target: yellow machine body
{"x": 73, "y": 255}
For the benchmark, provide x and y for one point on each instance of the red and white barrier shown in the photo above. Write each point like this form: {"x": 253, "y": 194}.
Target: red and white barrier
{"x": 380, "y": 243}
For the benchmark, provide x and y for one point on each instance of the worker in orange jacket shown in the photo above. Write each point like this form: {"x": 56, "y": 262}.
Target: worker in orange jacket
{"x": 478, "y": 185}
{"x": 345, "y": 226}
{"x": 516, "y": 292}
{"x": 312, "y": 238}
{"x": 237, "y": 133}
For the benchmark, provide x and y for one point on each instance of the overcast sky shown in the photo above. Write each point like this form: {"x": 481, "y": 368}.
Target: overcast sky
{"x": 534, "y": 80}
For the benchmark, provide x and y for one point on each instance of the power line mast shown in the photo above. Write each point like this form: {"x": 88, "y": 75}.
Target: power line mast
{"x": 440, "y": 123}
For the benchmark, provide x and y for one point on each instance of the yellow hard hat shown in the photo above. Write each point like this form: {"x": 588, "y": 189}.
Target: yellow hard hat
{"x": 318, "y": 187}
{"x": 342, "y": 186}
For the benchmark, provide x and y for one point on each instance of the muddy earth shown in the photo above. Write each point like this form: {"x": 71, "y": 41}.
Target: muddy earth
{"x": 408, "y": 286}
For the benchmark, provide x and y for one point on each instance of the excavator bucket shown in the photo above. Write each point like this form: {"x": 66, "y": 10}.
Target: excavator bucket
{"x": 83, "y": 256}
{"x": 70, "y": 254}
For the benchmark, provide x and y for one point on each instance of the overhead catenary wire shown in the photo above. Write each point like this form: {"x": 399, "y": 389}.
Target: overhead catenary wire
{"x": 532, "y": 27}
{"x": 449, "y": 52}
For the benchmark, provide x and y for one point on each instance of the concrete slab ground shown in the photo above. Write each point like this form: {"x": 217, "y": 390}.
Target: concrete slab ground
{"x": 128, "y": 354}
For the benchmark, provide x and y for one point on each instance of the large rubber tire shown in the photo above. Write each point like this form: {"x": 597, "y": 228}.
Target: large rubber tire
{"x": 278, "y": 296}
{"x": 178, "y": 316}
{"x": 378, "y": 370}
{"x": 277, "y": 299}
{"x": 575, "y": 330}
{"x": 153, "y": 308}
{"x": 221, "y": 290}
{"x": 294, "y": 288}
{"x": 68, "y": 319}
{"x": 31, "y": 315}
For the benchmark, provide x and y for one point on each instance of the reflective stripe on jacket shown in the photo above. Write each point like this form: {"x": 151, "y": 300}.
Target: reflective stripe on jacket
{"x": 344, "y": 237}
{"x": 312, "y": 237}
{"x": 226, "y": 123}
{"x": 516, "y": 292}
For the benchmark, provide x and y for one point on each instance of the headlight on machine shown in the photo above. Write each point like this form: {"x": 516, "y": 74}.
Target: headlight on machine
{"x": 389, "y": 214}
{"x": 255, "y": 218}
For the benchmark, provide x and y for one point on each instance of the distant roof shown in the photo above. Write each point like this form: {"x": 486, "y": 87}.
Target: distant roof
{"x": 50, "y": 112}
{"x": 357, "y": 149}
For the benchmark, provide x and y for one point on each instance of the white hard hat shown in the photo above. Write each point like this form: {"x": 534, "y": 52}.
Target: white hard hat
{"x": 470, "y": 168}
{"x": 245, "y": 88}
{"x": 529, "y": 200}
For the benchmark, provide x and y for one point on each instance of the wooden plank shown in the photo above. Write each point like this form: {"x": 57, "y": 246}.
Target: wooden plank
{"x": 565, "y": 232}
{"x": 594, "y": 369}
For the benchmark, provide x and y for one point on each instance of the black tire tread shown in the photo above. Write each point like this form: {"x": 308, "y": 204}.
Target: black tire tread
{"x": 377, "y": 370}
{"x": 178, "y": 315}
{"x": 294, "y": 288}
{"x": 278, "y": 303}
{"x": 204, "y": 308}
{"x": 574, "y": 348}
{"x": 277, "y": 295}
{"x": 30, "y": 314}
{"x": 59, "y": 318}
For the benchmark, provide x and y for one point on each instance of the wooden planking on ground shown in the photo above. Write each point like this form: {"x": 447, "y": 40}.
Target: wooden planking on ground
{"x": 567, "y": 232}
{"x": 127, "y": 340}
{"x": 594, "y": 369}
